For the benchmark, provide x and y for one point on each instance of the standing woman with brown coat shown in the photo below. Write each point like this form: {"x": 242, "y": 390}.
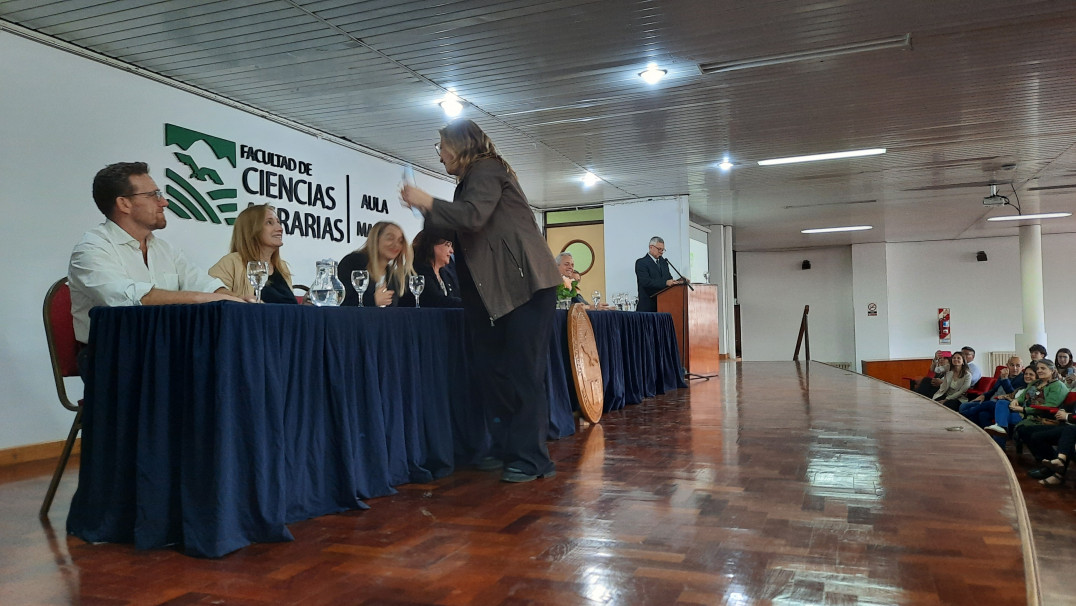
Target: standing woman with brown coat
{"x": 507, "y": 280}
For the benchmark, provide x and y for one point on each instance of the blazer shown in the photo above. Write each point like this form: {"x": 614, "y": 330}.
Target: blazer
{"x": 359, "y": 260}
{"x": 651, "y": 278}
{"x": 499, "y": 240}
{"x": 233, "y": 272}
{"x": 432, "y": 295}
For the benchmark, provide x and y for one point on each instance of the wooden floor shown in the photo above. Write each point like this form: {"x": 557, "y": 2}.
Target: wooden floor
{"x": 772, "y": 484}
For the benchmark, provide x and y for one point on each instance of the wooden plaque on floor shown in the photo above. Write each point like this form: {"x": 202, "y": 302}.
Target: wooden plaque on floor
{"x": 694, "y": 315}
{"x": 586, "y": 366}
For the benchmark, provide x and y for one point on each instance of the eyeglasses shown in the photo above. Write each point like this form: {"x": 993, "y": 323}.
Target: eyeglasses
{"x": 156, "y": 194}
{"x": 437, "y": 148}
{"x": 656, "y": 247}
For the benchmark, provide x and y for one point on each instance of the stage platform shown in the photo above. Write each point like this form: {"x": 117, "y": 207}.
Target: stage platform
{"x": 777, "y": 482}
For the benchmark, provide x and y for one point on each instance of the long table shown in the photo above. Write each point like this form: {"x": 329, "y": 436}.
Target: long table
{"x": 212, "y": 426}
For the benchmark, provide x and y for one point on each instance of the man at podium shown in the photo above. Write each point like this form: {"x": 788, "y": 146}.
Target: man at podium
{"x": 652, "y": 275}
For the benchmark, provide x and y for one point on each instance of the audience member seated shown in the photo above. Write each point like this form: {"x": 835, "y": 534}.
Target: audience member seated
{"x": 1040, "y": 429}
{"x": 1037, "y": 352}
{"x": 385, "y": 256}
{"x": 1066, "y": 450}
{"x": 566, "y": 268}
{"x": 433, "y": 253}
{"x": 256, "y": 236}
{"x": 121, "y": 262}
{"x": 939, "y": 366}
{"x": 969, "y": 361}
{"x": 1008, "y": 412}
{"x": 952, "y": 391}
{"x": 981, "y": 409}
{"x": 1065, "y": 367}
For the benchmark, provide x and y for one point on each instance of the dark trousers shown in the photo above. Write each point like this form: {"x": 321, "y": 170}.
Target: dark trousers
{"x": 1066, "y": 444}
{"x": 1040, "y": 439}
{"x": 509, "y": 365}
{"x": 925, "y": 387}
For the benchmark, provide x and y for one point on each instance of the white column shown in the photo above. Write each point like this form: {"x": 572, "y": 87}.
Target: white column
{"x": 1034, "y": 314}
{"x": 719, "y": 245}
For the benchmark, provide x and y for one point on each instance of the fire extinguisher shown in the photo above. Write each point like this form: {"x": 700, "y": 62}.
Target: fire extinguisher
{"x": 943, "y": 325}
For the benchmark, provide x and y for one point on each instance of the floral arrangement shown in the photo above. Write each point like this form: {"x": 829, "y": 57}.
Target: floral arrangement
{"x": 568, "y": 289}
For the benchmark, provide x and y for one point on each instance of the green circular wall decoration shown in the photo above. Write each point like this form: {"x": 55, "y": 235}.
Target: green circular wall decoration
{"x": 582, "y": 255}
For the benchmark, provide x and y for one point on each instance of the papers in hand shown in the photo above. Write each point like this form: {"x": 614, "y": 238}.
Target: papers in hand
{"x": 409, "y": 179}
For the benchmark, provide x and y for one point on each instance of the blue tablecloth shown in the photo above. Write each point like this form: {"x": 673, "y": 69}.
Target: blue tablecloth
{"x": 213, "y": 426}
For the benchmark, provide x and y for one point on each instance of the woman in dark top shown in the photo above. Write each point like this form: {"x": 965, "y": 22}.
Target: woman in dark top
{"x": 433, "y": 254}
{"x": 387, "y": 257}
{"x": 256, "y": 236}
{"x": 507, "y": 279}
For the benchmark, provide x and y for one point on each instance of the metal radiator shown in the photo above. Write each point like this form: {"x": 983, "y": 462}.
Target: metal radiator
{"x": 998, "y": 358}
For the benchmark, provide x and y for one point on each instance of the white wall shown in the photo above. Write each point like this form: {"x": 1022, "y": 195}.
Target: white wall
{"x": 983, "y": 297}
{"x": 772, "y": 290}
{"x": 62, "y": 118}
{"x": 870, "y": 289}
{"x": 719, "y": 249}
{"x": 628, "y": 229}
{"x": 1059, "y": 290}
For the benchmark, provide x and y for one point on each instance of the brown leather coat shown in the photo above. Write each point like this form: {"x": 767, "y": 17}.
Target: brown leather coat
{"x": 497, "y": 236}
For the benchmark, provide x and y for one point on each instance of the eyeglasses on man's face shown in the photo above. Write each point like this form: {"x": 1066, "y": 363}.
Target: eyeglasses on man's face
{"x": 660, "y": 249}
{"x": 155, "y": 194}
{"x": 437, "y": 148}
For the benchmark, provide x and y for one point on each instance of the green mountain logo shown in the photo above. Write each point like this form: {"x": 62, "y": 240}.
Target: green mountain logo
{"x": 194, "y": 196}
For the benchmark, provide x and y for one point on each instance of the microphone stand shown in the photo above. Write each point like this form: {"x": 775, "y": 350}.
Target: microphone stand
{"x": 684, "y": 280}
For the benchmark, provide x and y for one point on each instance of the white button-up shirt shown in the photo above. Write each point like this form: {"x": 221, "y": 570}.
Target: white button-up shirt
{"x": 107, "y": 270}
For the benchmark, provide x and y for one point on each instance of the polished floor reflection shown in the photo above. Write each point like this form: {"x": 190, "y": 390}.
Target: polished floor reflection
{"x": 772, "y": 484}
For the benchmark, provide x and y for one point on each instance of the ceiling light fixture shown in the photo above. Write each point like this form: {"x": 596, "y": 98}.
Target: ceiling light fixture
{"x": 652, "y": 74}
{"x": 451, "y": 103}
{"x": 590, "y": 179}
{"x": 1034, "y": 216}
{"x": 826, "y": 230}
{"x": 833, "y": 156}
{"x": 725, "y": 164}
{"x": 904, "y": 42}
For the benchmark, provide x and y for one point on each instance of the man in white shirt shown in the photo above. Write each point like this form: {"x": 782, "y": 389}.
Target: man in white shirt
{"x": 120, "y": 262}
{"x": 969, "y": 355}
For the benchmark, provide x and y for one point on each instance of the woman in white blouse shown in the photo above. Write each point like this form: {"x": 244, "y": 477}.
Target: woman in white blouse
{"x": 953, "y": 390}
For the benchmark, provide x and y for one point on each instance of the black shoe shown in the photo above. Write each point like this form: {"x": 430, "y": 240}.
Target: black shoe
{"x": 1053, "y": 481}
{"x": 515, "y": 476}
{"x": 1041, "y": 473}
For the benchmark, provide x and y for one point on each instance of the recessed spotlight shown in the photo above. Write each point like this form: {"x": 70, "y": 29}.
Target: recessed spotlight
{"x": 833, "y": 156}
{"x": 1035, "y": 216}
{"x": 451, "y": 104}
{"x": 652, "y": 74}
{"x": 590, "y": 179}
{"x": 826, "y": 230}
{"x": 725, "y": 164}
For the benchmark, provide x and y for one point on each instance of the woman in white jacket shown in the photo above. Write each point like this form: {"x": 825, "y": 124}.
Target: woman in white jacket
{"x": 953, "y": 390}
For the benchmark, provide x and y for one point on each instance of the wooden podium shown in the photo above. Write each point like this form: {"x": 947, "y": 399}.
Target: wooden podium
{"x": 694, "y": 314}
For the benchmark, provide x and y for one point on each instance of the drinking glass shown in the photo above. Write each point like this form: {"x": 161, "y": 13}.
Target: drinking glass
{"x": 417, "y": 283}
{"x": 597, "y": 298}
{"x": 258, "y": 275}
{"x": 360, "y": 278}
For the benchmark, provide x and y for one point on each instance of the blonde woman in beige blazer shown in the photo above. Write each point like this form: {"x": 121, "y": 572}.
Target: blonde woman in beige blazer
{"x": 256, "y": 236}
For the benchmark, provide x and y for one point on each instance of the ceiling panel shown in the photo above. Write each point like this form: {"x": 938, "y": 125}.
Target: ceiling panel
{"x": 984, "y": 95}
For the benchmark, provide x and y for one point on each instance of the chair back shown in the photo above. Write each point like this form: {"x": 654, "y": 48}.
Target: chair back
{"x": 302, "y": 288}
{"x": 1070, "y": 401}
{"x": 60, "y": 334}
{"x": 997, "y": 372}
{"x": 983, "y": 385}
